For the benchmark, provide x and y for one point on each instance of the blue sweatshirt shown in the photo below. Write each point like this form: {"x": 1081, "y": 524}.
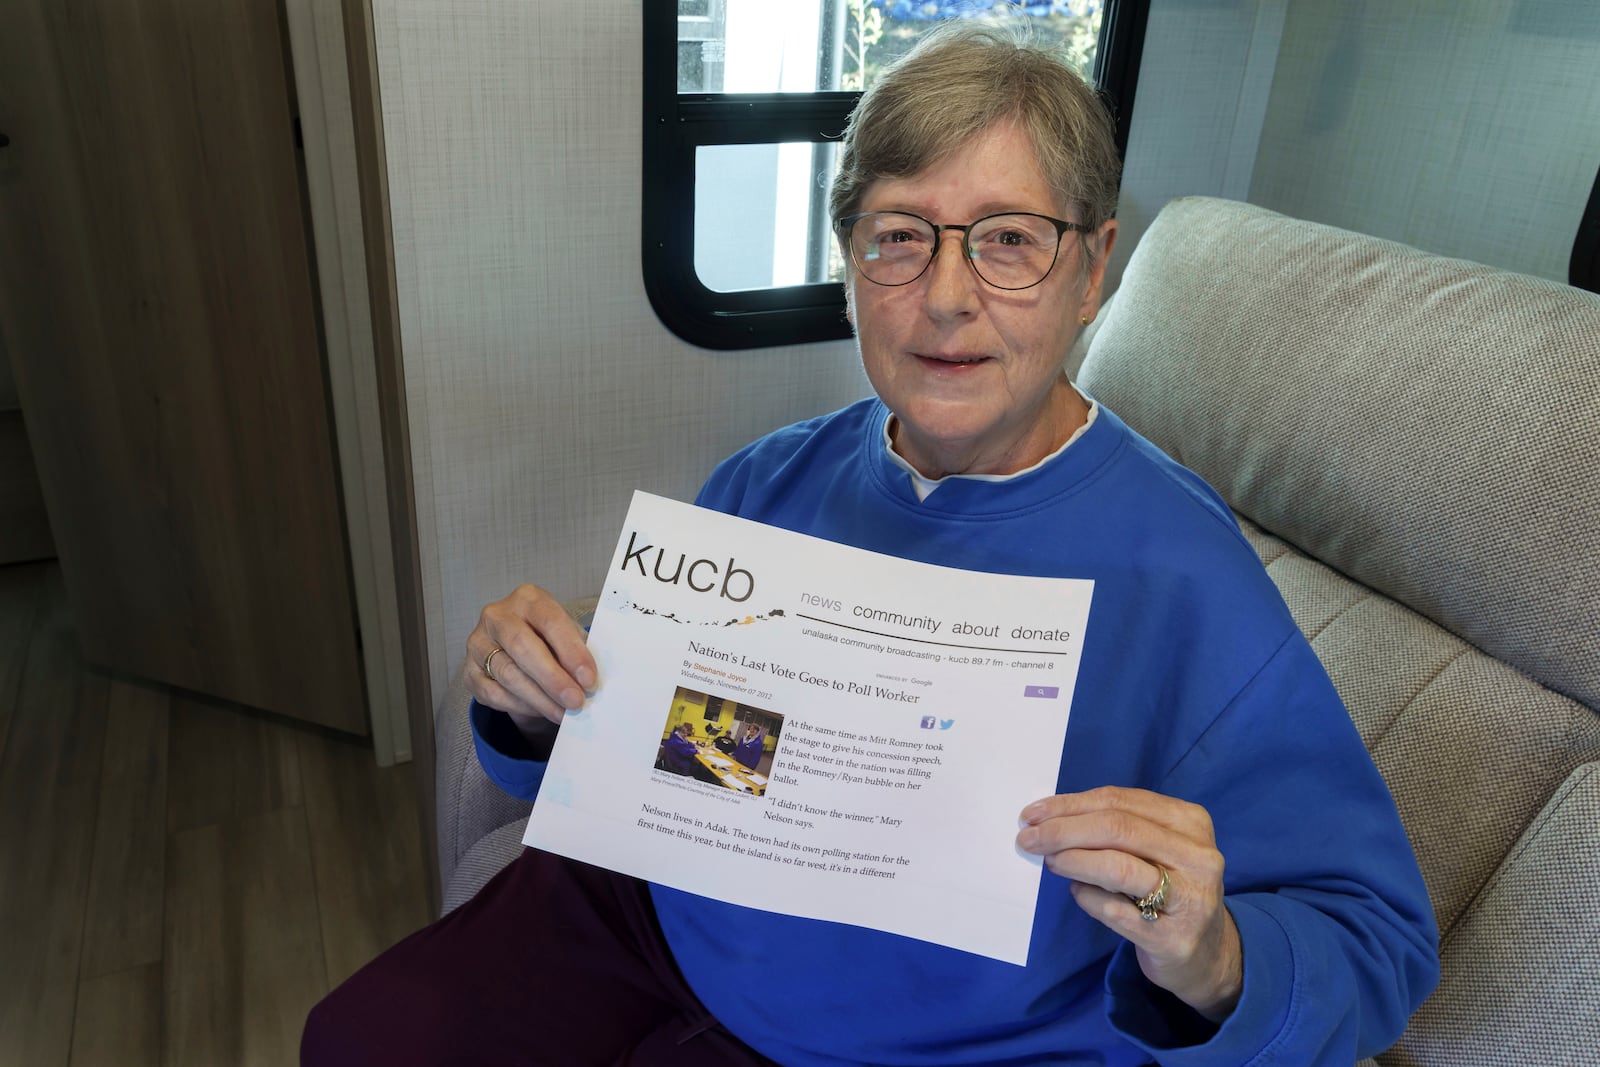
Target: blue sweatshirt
{"x": 1194, "y": 682}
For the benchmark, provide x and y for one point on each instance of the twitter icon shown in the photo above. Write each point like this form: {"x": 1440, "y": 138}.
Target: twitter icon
{"x": 945, "y": 724}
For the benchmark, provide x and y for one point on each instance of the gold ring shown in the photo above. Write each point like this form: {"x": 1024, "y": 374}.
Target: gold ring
{"x": 1150, "y": 905}
{"x": 488, "y": 662}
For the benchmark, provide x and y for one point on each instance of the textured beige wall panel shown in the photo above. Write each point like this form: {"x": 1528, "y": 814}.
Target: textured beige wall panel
{"x": 542, "y": 388}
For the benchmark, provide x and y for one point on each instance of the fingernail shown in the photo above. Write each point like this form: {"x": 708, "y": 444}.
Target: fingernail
{"x": 585, "y": 678}
{"x": 1027, "y": 839}
{"x": 572, "y": 698}
{"x": 1033, "y": 812}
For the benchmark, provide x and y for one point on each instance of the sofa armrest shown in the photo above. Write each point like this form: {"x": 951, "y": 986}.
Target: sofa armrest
{"x": 469, "y": 806}
{"x": 1522, "y": 968}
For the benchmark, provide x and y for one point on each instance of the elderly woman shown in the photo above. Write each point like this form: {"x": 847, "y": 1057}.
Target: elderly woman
{"x": 974, "y": 206}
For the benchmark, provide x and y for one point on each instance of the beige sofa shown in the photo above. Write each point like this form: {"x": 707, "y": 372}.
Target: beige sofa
{"x": 1413, "y": 445}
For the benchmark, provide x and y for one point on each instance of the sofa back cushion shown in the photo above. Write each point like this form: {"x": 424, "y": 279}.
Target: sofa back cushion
{"x": 1413, "y": 447}
{"x": 1427, "y": 426}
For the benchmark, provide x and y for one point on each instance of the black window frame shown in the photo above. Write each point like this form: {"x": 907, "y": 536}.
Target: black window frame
{"x": 676, "y": 125}
{"x": 1583, "y": 269}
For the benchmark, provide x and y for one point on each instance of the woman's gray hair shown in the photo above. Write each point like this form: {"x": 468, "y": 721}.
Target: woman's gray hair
{"x": 957, "y": 82}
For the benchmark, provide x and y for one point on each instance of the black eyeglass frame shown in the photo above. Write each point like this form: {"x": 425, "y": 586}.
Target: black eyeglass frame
{"x": 845, "y": 225}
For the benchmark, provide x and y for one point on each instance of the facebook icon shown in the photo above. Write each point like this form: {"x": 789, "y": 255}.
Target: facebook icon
{"x": 928, "y": 722}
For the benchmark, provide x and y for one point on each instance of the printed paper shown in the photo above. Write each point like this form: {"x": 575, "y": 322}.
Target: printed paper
{"x": 862, "y": 730}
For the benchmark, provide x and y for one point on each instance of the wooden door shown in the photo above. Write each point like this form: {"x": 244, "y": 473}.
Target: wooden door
{"x": 157, "y": 303}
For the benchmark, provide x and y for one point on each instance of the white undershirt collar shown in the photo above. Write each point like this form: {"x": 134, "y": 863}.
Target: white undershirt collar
{"x": 922, "y": 486}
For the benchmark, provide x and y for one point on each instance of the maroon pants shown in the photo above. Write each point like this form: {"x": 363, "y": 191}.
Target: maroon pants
{"x": 553, "y": 962}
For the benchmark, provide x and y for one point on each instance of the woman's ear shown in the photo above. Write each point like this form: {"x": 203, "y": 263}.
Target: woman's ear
{"x": 1101, "y": 242}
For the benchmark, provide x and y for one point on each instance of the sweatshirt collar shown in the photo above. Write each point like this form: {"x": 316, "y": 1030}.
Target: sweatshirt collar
{"x": 923, "y": 486}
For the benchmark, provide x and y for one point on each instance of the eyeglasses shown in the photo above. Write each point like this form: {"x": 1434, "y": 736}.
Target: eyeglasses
{"x": 1011, "y": 251}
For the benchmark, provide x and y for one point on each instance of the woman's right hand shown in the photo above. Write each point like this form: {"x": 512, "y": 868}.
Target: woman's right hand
{"x": 544, "y": 668}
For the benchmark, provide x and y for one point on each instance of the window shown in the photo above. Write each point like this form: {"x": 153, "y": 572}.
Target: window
{"x": 744, "y": 102}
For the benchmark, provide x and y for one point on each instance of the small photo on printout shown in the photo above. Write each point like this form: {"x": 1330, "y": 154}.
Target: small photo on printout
{"x": 718, "y": 741}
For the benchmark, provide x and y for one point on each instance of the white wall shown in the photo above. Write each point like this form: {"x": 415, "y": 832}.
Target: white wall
{"x": 542, "y": 389}
{"x": 1469, "y": 128}
{"x": 1197, "y": 113}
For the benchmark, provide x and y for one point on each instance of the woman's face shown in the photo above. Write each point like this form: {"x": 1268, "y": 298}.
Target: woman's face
{"x": 973, "y": 373}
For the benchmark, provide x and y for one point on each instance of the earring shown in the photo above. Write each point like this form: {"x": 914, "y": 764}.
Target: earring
{"x": 1084, "y": 319}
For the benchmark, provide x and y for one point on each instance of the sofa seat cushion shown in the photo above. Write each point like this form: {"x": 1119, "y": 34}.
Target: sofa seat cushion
{"x": 1471, "y": 749}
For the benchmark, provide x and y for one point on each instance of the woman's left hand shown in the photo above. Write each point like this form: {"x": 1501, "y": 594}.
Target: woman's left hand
{"x": 1113, "y": 843}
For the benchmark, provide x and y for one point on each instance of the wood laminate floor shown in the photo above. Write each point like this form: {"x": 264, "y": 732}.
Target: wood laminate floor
{"x": 180, "y": 879}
